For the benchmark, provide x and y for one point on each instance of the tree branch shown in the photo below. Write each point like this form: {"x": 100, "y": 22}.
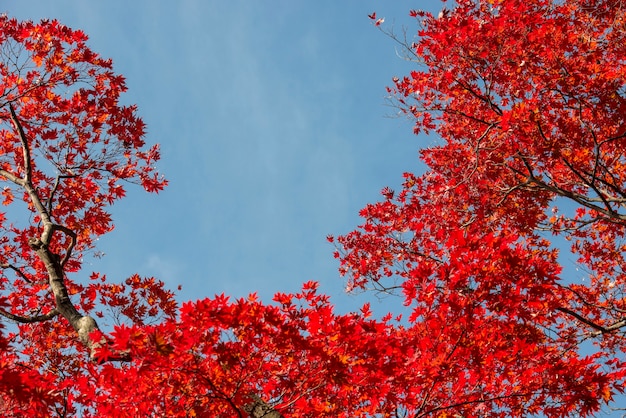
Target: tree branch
{"x": 17, "y": 271}
{"x": 70, "y": 247}
{"x": 29, "y": 319}
{"x": 260, "y": 409}
{"x": 584, "y": 320}
{"x": 82, "y": 324}
{"x": 599, "y": 329}
{"x": 591, "y": 184}
{"x": 25, "y": 149}
{"x": 52, "y": 192}
{"x": 576, "y": 197}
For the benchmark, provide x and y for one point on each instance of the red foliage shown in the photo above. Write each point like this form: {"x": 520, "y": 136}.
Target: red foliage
{"x": 528, "y": 100}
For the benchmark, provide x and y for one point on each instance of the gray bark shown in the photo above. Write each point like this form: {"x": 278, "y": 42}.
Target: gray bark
{"x": 260, "y": 409}
{"x": 83, "y": 325}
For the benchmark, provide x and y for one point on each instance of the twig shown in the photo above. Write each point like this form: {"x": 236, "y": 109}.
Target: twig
{"x": 29, "y": 319}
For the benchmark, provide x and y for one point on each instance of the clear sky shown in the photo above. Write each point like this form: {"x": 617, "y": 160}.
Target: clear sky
{"x": 274, "y": 129}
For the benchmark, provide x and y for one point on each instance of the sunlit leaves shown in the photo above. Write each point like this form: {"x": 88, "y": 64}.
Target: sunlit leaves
{"x": 67, "y": 149}
{"x": 528, "y": 99}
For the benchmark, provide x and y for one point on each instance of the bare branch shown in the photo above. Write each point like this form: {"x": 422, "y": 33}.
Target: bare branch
{"x": 25, "y": 149}
{"x": 12, "y": 177}
{"x": 17, "y": 271}
{"x": 26, "y": 181}
{"x": 591, "y": 184}
{"x": 576, "y": 197}
{"x": 29, "y": 319}
{"x": 50, "y": 199}
{"x": 599, "y": 329}
{"x": 68, "y": 251}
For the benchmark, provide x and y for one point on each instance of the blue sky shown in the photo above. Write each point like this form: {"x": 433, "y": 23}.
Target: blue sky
{"x": 274, "y": 132}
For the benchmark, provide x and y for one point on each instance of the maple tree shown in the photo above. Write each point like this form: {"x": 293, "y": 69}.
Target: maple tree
{"x": 68, "y": 148}
{"x": 528, "y": 100}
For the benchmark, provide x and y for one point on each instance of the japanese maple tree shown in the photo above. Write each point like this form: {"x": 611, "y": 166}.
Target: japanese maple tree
{"x": 527, "y": 100}
{"x": 68, "y": 147}
{"x": 66, "y": 144}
